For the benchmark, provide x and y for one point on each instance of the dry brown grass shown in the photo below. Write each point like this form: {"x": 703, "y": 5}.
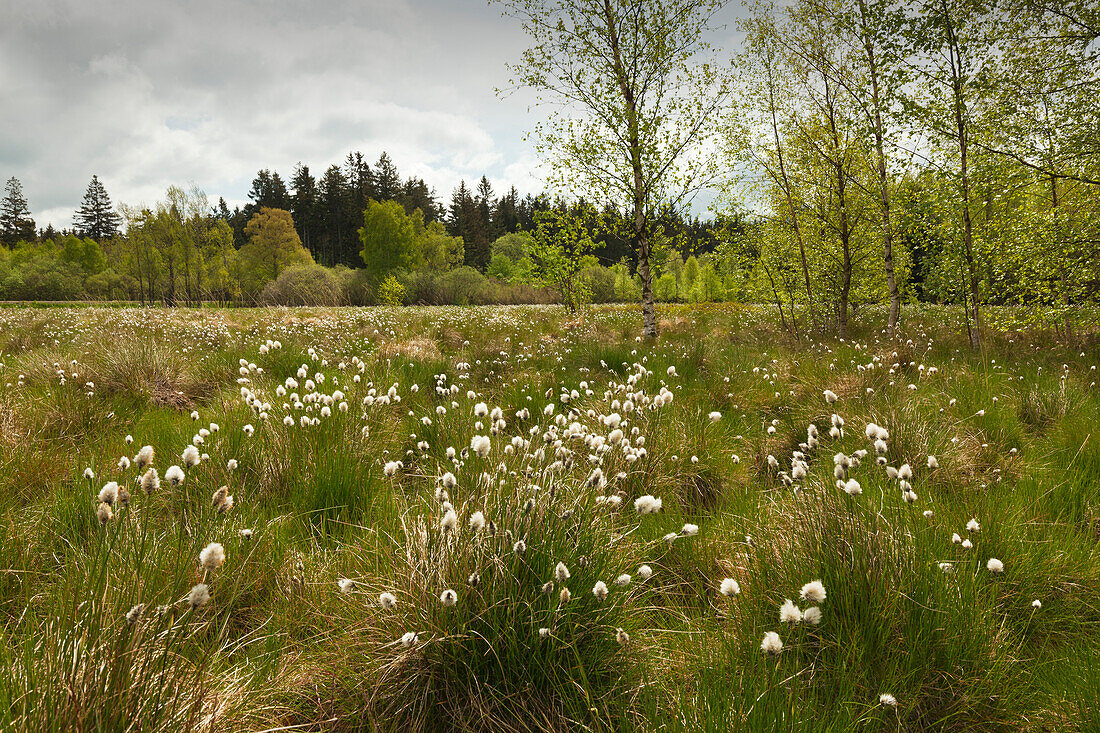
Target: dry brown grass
{"x": 421, "y": 348}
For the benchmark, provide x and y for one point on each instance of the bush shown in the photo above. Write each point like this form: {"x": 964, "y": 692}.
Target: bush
{"x": 627, "y": 288}
{"x": 355, "y": 287}
{"x": 391, "y": 291}
{"x": 463, "y": 286}
{"x": 304, "y": 285}
{"x": 600, "y": 284}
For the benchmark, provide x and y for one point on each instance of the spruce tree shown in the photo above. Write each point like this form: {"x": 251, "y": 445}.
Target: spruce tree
{"x": 486, "y": 204}
{"x": 337, "y": 245}
{"x": 303, "y": 206}
{"x": 466, "y": 222}
{"x": 95, "y": 218}
{"x": 387, "y": 183}
{"x": 16, "y": 223}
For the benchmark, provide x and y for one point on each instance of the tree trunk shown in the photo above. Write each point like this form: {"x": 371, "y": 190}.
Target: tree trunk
{"x": 649, "y": 314}
{"x": 640, "y": 194}
{"x": 845, "y": 229}
{"x": 790, "y": 203}
{"x": 171, "y": 283}
{"x": 884, "y": 181}
{"x": 955, "y": 59}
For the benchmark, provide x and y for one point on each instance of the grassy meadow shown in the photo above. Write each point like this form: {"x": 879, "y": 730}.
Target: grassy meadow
{"x": 513, "y": 519}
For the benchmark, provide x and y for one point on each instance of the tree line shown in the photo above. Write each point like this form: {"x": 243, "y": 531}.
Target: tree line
{"x": 186, "y": 250}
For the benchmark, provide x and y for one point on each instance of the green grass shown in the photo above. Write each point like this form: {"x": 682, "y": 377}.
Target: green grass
{"x": 282, "y": 646}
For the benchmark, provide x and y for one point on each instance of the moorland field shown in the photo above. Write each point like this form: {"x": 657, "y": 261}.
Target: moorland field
{"x": 517, "y": 519}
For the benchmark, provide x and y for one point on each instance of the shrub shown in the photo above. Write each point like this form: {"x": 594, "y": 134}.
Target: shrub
{"x": 391, "y": 291}
{"x": 462, "y": 286}
{"x": 304, "y": 285}
{"x": 600, "y": 283}
{"x": 355, "y": 287}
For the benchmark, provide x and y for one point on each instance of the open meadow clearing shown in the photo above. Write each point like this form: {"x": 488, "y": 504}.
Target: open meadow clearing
{"x": 510, "y": 519}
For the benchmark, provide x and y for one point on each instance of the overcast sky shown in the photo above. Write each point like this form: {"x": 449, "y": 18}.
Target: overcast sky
{"x": 151, "y": 93}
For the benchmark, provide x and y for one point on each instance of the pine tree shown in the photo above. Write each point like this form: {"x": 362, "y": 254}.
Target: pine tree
{"x": 417, "y": 195}
{"x": 268, "y": 190}
{"x": 95, "y": 218}
{"x": 16, "y": 223}
{"x": 506, "y": 215}
{"x": 360, "y": 180}
{"x": 336, "y": 240}
{"x": 303, "y": 207}
{"x": 486, "y": 204}
{"x": 387, "y": 183}
{"x": 466, "y": 222}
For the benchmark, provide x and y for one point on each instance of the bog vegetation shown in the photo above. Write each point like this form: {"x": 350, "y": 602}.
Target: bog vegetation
{"x": 514, "y": 519}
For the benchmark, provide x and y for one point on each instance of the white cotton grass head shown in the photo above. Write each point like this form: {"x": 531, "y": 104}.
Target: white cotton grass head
{"x": 199, "y": 596}
{"x": 690, "y": 530}
{"x": 448, "y": 597}
{"x": 477, "y": 521}
{"x": 973, "y": 526}
{"x": 109, "y": 493}
{"x": 771, "y": 644}
{"x": 561, "y": 572}
{"x": 812, "y": 616}
{"x": 645, "y": 572}
{"x": 995, "y": 566}
{"x": 190, "y": 456}
{"x": 622, "y": 637}
{"x": 212, "y": 556}
{"x": 144, "y": 457}
{"x": 150, "y": 481}
{"x": 813, "y": 592}
{"x": 600, "y": 590}
{"x": 647, "y": 504}
{"x": 346, "y": 585}
{"x": 729, "y": 587}
{"x": 449, "y": 522}
{"x": 175, "y": 475}
{"x": 409, "y": 639}
{"x": 789, "y": 613}
{"x": 481, "y": 445}
{"x": 852, "y": 487}
{"x": 387, "y": 601}
{"x": 104, "y": 513}
{"x": 887, "y": 699}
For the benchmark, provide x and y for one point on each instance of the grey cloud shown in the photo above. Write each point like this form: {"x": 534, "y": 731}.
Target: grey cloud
{"x": 150, "y": 94}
